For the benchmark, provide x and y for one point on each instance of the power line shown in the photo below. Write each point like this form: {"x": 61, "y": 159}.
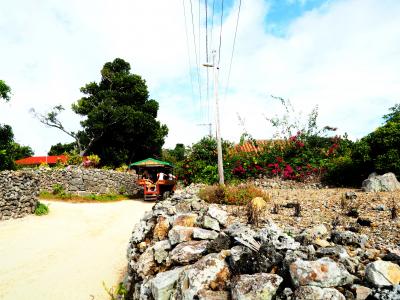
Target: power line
{"x": 188, "y": 50}
{"x": 195, "y": 50}
{"x": 212, "y": 24}
{"x": 220, "y": 32}
{"x": 233, "y": 49}
{"x": 208, "y": 76}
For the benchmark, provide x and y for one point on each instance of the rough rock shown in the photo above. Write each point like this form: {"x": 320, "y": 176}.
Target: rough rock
{"x": 213, "y": 295}
{"x": 160, "y": 253}
{"x": 186, "y": 220}
{"x": 211, "y": 223}
{"x": 256, "y": 286}
{"x": 382, "y": 273}
{"x": 218, "y": 214}
{"x": 317, "y": 232}
{"x": 392, "y": 293}
{"x": 204, "y": 234}
{"x": 349, "y": 238}
{"x": 161, "y": 229}
{"x": 241, "y": 231}
{"x": 323, "y": 272}
{"x": 146, "y": 264}
{"x": 244, "y": 261}
{"x": 163, "y": 284}
{"x": 222, "y": 242}
{"x": 188, "y": 251}
{"x": 350, "y": 195}
{"x": 361, "y": 292}
{"x": 179, "y": 234}
{"x": 201, "y": 274}
{"x": 383, "y": 183}
{"x": 317, "y": 293}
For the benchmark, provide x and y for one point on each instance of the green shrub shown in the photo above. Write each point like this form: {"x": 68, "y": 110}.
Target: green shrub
{"x": 58, "y": 189}
{"x": 41, "y": 209}
{"x": 232, "y": 195}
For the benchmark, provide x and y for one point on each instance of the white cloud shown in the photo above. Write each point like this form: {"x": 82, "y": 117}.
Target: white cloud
{"x": 343, "y": 56}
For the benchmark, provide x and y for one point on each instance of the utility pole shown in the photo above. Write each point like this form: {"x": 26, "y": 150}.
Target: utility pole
{"x": 209, "y": 127}
{"x": 217, "y": 124}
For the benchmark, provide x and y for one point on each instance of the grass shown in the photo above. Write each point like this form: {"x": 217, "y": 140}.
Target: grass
{"x": 77, "y": 198}
{"x": 41, "y": 209}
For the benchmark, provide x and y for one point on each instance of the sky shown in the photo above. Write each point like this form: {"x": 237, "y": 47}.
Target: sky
{"x": 342, "y": 55}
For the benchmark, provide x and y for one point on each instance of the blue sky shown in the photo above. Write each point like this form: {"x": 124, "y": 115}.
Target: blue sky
{"x": 342, "y": 55}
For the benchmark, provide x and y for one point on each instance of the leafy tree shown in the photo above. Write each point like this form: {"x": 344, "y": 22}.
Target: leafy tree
{"x": 120, "y": 120}
{"x": 200, "y": 165}
{"x": 5, "y": 91}
{"x": 10, "y": 150}
{"x": 59, "y": 148}
{"x": 381, "y": 148}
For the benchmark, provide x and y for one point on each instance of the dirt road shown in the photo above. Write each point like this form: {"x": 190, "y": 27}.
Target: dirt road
{"x": 69, "y": 253}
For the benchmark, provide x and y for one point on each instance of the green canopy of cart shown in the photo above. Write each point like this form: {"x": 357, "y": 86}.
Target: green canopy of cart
{"x": 151, "y": 162}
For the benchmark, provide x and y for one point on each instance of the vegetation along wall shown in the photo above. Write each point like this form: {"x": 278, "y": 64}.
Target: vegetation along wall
{"x": 83, "y": 181}
{"x": 18, "y": 194}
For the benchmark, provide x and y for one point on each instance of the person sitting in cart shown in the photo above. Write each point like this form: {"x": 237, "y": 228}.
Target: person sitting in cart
{"x": 161, "y": 176}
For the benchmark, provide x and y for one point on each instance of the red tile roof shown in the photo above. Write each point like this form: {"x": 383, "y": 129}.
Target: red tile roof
{"x": 250, "y": 147}
{"x": 37, "y": 160}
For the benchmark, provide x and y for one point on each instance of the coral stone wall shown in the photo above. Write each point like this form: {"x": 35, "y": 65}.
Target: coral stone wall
{"x": 88, "y": 181}
{"x": 18, "y": 194}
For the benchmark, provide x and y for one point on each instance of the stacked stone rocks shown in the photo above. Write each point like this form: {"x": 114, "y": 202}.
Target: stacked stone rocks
{"x": 18, "y": 194}
{"x": 187, "y": 249}
{"x": 87, "y": 181}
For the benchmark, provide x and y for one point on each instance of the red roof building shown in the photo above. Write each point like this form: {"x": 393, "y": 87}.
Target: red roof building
{"x": 37, "y": 160}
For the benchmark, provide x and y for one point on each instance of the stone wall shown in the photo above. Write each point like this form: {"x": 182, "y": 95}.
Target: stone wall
{"x": 18, "y": 194}
{"x": 187, "y": 249}
{"x": 83, "y": 181}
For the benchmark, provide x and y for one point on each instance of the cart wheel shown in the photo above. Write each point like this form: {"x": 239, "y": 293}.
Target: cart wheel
{"x": 166, "y": 195}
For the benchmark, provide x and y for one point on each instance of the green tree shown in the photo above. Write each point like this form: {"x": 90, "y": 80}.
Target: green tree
{"x": 10, "y": 150}
{"x": 200, "y": 164}
{"x": 5, "y": 91}
{"x": 59, "y": 148}
{"x": 380, "y": 150}
{"x": 120, "y": 122}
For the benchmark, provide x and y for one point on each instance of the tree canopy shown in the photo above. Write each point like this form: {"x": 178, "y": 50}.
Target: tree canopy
{"x": 10, "y": 150}
{"x": 59, "y": 148}
{"x": 5, "y": 91}
{"x": 119, "y": 122}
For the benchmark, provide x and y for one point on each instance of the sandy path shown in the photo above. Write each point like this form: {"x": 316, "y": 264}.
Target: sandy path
{"x": 69, "y": 253}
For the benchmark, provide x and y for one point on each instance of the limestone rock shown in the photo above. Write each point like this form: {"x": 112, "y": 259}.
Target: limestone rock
{"x": 384, "y": 183}
{"x": 361, "y": 292}
{"x": 211, "y": 223}
{"x": 256, "y": 286}
{"x": 146, "y": 264}
{"x": 222, "y": 242}
{"x": 213, "y": 295}
{"x": 349, "y": 238}
{"x": 161, "y": 229}
{"x": 218, "y": 214}
{"x": 323, "y": 272}
{"x": 199, "y": 275}
{"x": 204, "y": 234}
{"x": 164, "y": 283}
{"x": 241, "y": 231}
{"x": 160, "y": 253}
{"x": 316, "y": 232}
{"x": 188, "y": 251}
{"x": 317, "y": 293}
{"x": 383, "y": 273}
{"x": 179, "y": 234}
{"x": 186, "y": 220}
